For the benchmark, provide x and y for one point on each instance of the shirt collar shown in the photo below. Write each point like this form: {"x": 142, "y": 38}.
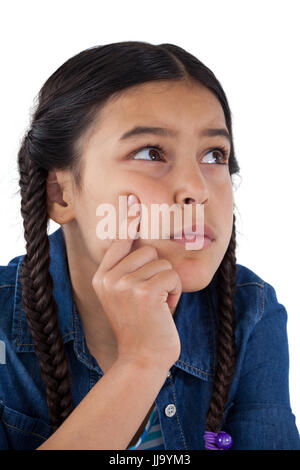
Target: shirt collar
{"x": 195, "y": 318}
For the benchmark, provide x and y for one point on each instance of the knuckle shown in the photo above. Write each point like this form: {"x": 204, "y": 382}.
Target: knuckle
{"x": 107, "y": 282}
{"x": 122, "y": 285}
{"x": 151, "y": 251}
{"x": 142, "y": 291}
{"x": 166, "y": 264}
{"x": 96, "y": 281}
{"x": 175, "y": 274}
{"x": 170, "y": 274}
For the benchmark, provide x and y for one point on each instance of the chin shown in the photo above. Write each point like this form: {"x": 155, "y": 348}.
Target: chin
{"x": 195, "y": 268}
{"x": 194, "y": 276}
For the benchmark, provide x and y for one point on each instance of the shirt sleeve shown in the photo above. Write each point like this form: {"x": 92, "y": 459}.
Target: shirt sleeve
{"x": 260, "y": 416}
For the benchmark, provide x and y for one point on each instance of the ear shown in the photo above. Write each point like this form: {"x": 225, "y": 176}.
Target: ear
{"x": 59, "y": 199}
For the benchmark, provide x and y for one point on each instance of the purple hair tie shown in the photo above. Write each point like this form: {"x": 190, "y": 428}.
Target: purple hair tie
{"x": 217, "y": 440}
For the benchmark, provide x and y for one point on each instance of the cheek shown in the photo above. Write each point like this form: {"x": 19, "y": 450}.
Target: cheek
{"x": 221, "y": 193}
{"x": 144, "y": 188}
{"x": 221, "y": 208}
{"x": 148, "y": 193}
{"x": 142, "y": 185}
{"x": 225, "y": 214}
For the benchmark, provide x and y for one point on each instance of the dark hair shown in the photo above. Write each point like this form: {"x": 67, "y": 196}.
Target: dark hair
{"x": 67, "y": 105}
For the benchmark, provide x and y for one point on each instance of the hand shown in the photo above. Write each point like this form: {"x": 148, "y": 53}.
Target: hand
{"x": 136, "y": 290}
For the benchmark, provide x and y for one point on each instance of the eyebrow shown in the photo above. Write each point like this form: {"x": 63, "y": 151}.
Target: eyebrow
{"x": 142, "y": 130}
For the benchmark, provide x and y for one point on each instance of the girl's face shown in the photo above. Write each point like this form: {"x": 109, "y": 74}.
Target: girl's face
{"x": 186, "y": 171}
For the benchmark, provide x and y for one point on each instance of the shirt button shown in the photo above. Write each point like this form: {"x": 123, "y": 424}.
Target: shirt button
{"x": 170, "y": 410}
{"x": 169, "y": 373}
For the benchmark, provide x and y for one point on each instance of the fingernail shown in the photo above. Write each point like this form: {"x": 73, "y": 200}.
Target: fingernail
{"x": 131, "y": 200}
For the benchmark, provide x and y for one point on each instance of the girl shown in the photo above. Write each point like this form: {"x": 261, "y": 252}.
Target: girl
{"x": 136, "y": 343}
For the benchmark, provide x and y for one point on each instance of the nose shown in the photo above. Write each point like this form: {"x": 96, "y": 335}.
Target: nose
{"x": 191, "y": 185}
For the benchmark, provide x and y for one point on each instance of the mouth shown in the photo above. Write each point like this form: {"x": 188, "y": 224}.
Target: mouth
{"x": 198, "y": 241}
{"x": 196, "y": 237}
{"x": 191, "y": 232}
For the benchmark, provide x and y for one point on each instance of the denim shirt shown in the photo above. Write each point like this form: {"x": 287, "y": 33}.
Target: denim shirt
{"x": 257, "y": 415}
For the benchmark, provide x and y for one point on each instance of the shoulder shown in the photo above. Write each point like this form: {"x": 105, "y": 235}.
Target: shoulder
{"x": 261, "y": 321}
{"x": 8, "y": 273}
{"x": 9, "y": 277}
{"x": 8, "y": 293}
{"x": 256, "y": 298}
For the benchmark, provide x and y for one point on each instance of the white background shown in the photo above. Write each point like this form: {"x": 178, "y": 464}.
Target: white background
{"x": 253, "y": 49}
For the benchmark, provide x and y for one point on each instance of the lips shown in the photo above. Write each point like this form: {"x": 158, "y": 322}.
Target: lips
{"x": 195, "y": 230}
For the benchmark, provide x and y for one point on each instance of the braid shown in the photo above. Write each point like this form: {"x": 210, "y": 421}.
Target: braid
{"x": 37, "y": 289}
{"x": 226, "y": 285}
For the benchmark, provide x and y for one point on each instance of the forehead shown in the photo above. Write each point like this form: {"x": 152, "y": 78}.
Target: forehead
{"x": 183, "y": 106}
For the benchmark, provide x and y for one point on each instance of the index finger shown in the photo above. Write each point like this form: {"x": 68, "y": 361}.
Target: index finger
{"x": 120, "y": 248}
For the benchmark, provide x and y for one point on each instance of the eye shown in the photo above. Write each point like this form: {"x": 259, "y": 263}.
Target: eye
{"x": 153, "y": 155}
{"x": 223, "y": 156}
{"x": 156, "y": 150}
